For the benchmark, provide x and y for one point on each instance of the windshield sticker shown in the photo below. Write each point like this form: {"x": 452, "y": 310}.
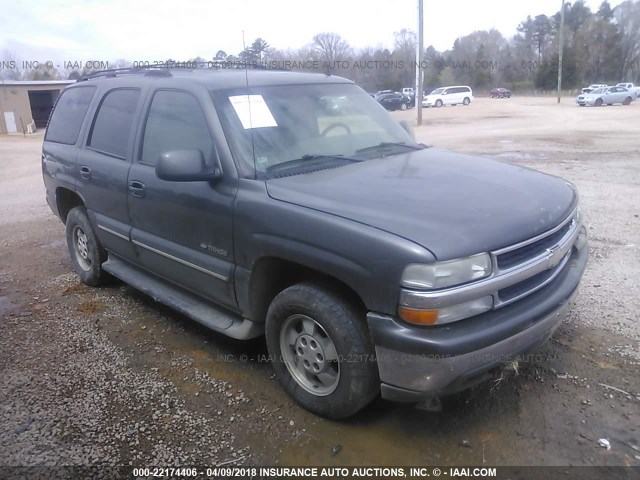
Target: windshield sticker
{"x": 252, "y": 111}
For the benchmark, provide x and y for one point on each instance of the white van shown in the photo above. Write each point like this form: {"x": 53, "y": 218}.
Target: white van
{"x": 455, "y": 95}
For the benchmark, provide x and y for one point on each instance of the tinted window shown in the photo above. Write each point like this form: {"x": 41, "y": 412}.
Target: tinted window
{"x": 114, "y": 121}
{"x": 175, "y": 122}
{"x": 69, "y": 114}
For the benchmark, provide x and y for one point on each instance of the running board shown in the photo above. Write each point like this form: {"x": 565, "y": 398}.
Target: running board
{"x": 194, "y": 307}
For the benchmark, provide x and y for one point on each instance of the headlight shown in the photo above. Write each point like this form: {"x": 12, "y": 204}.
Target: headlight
{"x": 448, "y": 273}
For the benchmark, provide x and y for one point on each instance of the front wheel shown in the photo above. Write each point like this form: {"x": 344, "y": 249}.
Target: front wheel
{"x": 403, "y": 106}
{"x": 87, "y": 255}
{"x": 598, "y": 102}
{"x": 321, "y": 351}
{"x": 438, "y": 103}
{"x": 466, "y": 101}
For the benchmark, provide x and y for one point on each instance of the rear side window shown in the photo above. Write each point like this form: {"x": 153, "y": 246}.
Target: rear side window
{"x": 175, "y": 122}
{"x": 113, "y": 124}
{"x": 66, "y": 120}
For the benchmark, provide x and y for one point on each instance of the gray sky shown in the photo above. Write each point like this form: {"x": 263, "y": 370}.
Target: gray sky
{"x": 181, "y": 29}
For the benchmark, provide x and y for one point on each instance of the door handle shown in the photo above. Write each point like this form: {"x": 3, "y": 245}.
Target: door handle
{"x": 136, "y": 188}
{"x": 85, "y": 172}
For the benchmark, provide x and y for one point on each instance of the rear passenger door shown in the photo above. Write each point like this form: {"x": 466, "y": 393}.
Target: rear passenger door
{"x": 103, "y": 167}
{"x": 182, "y": 231}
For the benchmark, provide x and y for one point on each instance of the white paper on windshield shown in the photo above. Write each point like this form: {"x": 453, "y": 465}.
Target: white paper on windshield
{"x": 252, "y": 111}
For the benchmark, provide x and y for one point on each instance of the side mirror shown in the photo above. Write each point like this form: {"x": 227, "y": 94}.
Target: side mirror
{"x": 408, "y": 128}
{"x": 184, "y": 166}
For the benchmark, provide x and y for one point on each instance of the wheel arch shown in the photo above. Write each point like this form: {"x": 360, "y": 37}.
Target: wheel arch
{"x": 67, "y": 199}
{"x": 271, "y": 274}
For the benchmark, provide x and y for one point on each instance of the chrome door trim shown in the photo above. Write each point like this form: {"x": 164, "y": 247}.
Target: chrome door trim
{"x": 181, "y": 261}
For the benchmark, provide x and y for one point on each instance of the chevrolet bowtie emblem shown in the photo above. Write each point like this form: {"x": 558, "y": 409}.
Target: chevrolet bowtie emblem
{"x": 555, "y": 255}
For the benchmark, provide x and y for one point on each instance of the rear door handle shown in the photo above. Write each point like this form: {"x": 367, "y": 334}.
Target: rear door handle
{"x": 136, "y": 188}
{"x": 85, "y": 172}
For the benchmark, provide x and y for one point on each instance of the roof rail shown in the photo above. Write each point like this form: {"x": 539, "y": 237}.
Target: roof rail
{"x": 162, "y": 69}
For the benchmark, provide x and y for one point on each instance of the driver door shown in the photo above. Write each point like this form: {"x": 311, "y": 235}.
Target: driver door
{"x": 182, "y": 231}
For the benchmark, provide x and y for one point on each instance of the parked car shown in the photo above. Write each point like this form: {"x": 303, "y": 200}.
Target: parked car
{"x": 371, "y": 263}
{"x": 500, "y": 93}
{"x": 631, "y": 87}
{"x": 593, "y": 87}
{"x": 605, "y": 96}
{"x": 393, "y": 101}
{"x": 410, "y": 93}
{"x": 455, "y": 95}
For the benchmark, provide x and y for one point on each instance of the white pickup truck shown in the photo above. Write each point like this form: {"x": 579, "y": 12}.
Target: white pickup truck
{"x": 631, "y": 87}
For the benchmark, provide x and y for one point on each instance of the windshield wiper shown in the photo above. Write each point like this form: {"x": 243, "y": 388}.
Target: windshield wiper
{"x": 383, "y": 145}
{"x": 296, "y": 162}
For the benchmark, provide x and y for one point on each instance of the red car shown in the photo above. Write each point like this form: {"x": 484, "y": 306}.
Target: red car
{"x": 500, "y": 93}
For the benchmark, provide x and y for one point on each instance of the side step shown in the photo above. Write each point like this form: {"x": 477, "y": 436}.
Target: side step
{"x": 194, "y": 307}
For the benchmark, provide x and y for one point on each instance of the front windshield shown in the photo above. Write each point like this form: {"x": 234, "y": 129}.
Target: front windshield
{"x": 272, "y": 128}
{"x": 437, "y": 91}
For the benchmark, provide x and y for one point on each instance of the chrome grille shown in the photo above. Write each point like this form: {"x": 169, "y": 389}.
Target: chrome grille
{"x": 531, "y": 284}
{"x": 523, "y": 254}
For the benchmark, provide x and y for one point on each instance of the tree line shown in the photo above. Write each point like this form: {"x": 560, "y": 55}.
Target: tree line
{"x": 601, "y": 46}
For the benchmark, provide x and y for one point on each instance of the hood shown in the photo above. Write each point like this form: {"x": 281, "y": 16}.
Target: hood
{"x": 451, "y": 204}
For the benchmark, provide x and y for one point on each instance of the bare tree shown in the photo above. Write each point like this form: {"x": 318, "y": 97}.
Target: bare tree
{"x": 627, "y": 16}
{"x": 331, "y": 47}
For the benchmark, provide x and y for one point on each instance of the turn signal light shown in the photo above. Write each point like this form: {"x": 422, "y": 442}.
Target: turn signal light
{"x": 418, "y": 317}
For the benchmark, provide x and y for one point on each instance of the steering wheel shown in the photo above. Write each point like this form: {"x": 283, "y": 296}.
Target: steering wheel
{"x": 335, "y": 125}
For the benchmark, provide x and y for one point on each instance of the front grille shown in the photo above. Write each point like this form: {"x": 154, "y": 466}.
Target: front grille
{"x": 527, "y": 252}
{"x": 529, "y": 285}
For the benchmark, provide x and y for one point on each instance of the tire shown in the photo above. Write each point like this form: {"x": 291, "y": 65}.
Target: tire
{"x": 627, "y": 101}
{"x": 310, "y": 328}
{"x": 87, "y": 255}
{"x": 466, "y": 101}
{"x": 403, "y": 106}
{"x": 598, "y": 102}
{"x": 438, "y": 103}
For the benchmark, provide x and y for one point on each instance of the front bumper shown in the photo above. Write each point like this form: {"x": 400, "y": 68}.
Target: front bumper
{"x": 419, "y": 362}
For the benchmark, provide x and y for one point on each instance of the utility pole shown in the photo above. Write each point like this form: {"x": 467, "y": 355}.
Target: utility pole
{"x": 419, "y": 76}
{"x": 560, "y": 51}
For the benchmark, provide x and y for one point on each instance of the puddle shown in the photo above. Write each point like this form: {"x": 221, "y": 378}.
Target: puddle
{"x": 5, "y": 305}
{"x": 393, "y": 434}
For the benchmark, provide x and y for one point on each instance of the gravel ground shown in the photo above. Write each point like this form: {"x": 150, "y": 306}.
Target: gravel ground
{"x": 108, "y": 377}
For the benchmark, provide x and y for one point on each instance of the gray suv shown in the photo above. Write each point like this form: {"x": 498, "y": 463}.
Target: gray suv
{"x": 294, "y": 206}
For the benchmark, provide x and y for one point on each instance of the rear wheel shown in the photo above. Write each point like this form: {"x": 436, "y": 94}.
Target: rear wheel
{"x": 466, "y": 101}
{"x": 627, "y": 101}
{"x": 321, "y": 351}
{"x": 87, "y": 255}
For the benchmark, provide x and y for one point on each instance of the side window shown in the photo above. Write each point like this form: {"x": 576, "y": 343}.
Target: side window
{"x": 175, "y": 122}
{"x": 66, "y": 120}
{"x": 113, "y": 123}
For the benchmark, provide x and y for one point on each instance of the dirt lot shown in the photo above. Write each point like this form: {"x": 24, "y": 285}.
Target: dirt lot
{"x": 108, "y": 376}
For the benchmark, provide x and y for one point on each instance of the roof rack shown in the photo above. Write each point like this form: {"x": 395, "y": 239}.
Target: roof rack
{"x": 163, "y": 70}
